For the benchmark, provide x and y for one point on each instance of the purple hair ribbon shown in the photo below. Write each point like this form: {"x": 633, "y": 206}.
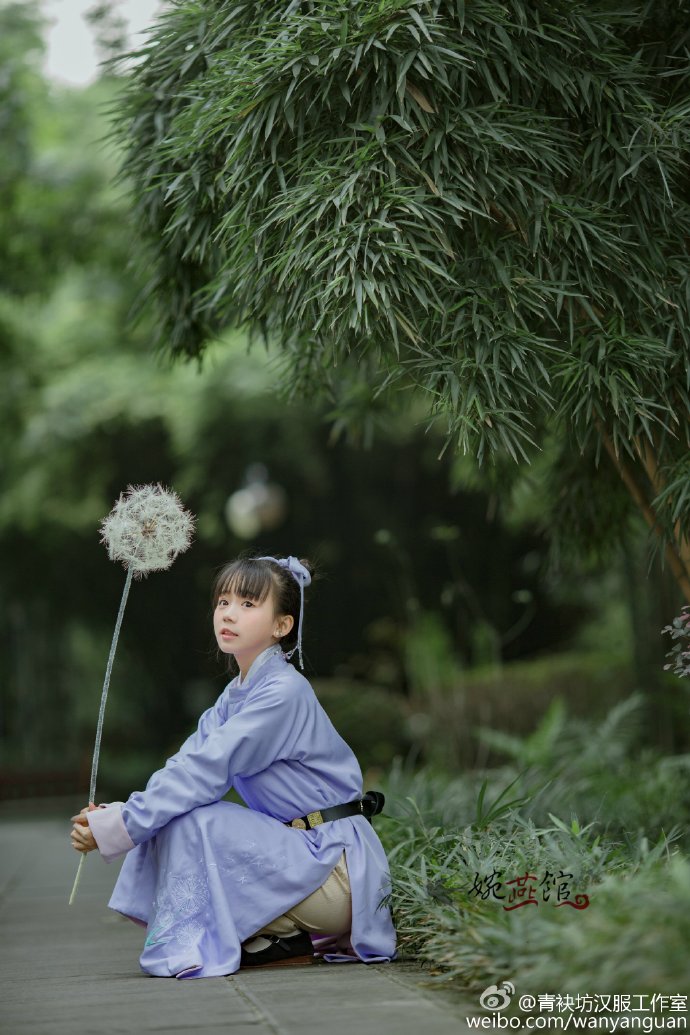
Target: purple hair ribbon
{"x": 303, "y": 577}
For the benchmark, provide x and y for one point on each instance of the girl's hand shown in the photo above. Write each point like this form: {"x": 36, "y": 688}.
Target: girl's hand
{"x": 81, "y": 836}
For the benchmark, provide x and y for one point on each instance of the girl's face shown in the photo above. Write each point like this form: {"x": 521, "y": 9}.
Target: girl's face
{"x": 246, "y": 627}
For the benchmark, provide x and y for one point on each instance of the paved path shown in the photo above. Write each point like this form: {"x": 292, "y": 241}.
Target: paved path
{"x": 71, "y": 970}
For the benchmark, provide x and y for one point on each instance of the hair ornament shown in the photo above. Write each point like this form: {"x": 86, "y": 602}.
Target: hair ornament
{"x": 303, "y": 577}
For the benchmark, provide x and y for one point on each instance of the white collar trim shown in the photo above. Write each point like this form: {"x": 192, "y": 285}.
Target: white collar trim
{"x": 259, "y": 661}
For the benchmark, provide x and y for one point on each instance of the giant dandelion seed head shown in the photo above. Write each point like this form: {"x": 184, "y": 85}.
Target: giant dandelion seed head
{"x": 147, "y": 528}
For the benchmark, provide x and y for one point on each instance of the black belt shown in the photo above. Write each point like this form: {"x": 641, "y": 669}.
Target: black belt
{"x": 370, "y": 805}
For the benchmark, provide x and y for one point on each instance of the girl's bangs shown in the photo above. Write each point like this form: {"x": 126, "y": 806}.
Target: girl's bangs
{"x": 247, "y": 578}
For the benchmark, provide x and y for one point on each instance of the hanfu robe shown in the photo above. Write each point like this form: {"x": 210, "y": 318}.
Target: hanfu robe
{"x": 203, "y": 874}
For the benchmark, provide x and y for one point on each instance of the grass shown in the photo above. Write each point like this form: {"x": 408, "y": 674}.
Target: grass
{"x": 580, "y": 812}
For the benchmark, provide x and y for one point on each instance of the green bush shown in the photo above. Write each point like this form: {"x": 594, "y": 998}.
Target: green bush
{"x": 590, "y": 816}
{"x": 448, "y": 703}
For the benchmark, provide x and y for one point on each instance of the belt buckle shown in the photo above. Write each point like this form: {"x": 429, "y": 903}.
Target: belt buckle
{"x": 312, "y": 819}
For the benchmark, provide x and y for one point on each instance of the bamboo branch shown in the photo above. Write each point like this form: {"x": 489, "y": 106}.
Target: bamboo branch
{"x": 648, "y": 457}
{"x": 650, "y": 465}
{"x": 683, "y": 545}
{"x": 671, "y": 553}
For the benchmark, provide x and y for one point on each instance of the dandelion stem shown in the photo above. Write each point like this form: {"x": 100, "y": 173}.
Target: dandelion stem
{"x": 106, "y": 685}
{"x": 77, "y": 879}
{"x": 101, "y": 711}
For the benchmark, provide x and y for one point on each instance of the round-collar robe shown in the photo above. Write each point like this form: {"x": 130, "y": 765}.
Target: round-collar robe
{"x": 204, "y": 874}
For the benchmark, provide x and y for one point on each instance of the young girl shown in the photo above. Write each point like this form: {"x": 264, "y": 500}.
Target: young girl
{"x": 219, "y": 885}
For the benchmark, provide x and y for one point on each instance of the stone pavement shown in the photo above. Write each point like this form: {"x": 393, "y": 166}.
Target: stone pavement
{"x": 67, "y": 970}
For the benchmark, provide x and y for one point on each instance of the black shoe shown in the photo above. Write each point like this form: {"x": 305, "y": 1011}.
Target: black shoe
{"x": 293, "y": 950}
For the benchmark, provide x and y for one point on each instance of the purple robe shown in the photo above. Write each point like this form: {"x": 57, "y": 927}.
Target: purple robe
{"x": 203, "y": 874}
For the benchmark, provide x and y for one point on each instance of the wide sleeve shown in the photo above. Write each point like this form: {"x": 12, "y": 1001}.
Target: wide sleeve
{"x": 269, "y": 726}
{"x": 107, "y": 823}
{"x": 109, "y": 831}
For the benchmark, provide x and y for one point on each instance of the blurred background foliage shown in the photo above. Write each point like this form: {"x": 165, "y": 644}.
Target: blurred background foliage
{"x": 440, "y": 608}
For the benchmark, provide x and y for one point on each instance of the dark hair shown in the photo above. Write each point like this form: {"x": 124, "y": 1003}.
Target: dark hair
{"x": 253, "y": 578}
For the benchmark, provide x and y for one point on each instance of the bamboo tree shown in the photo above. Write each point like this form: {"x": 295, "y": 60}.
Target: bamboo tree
{"x": 485, "y": 204}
